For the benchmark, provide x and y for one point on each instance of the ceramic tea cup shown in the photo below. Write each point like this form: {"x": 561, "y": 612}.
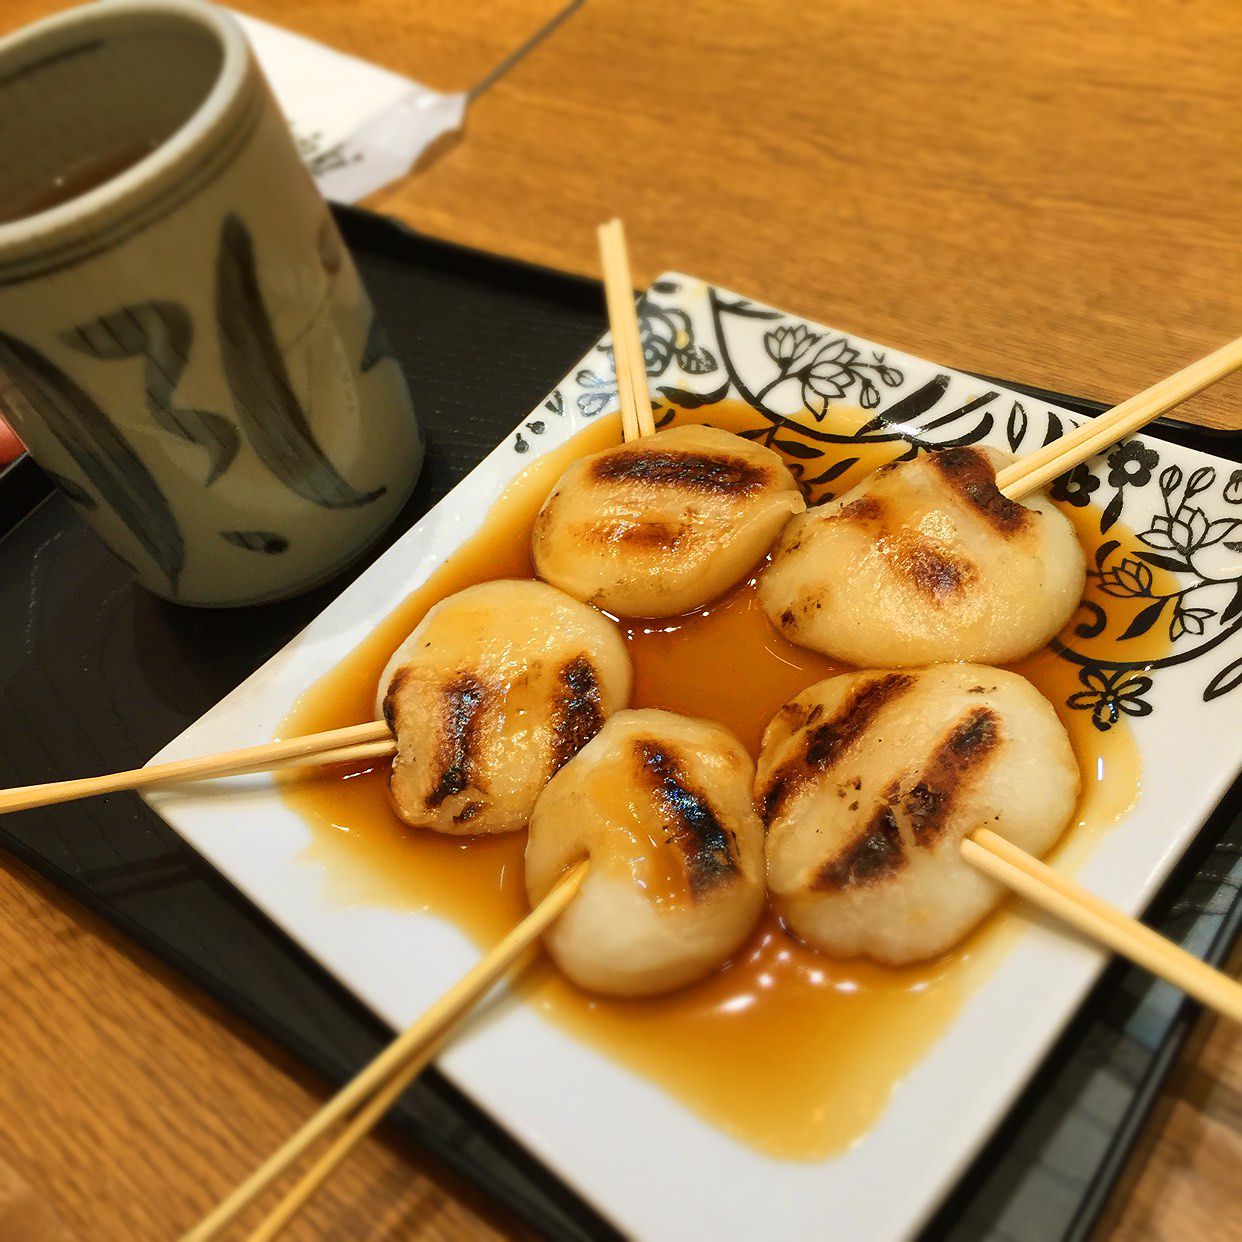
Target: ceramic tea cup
{"x": 185, "y": 345}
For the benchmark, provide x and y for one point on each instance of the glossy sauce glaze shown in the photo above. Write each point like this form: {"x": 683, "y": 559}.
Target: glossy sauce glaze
{"x": 791, "y": 1052}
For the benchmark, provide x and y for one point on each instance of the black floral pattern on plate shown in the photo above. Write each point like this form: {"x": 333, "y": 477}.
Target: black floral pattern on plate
{"x": 1201, "y": 609}
{"x": 1075, "y": 487}
{"x": 771, "y": 361}
{"x": 1111, "y": 694}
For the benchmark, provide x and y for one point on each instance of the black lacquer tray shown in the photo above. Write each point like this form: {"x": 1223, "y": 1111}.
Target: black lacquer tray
{"x": 483, "y": 339}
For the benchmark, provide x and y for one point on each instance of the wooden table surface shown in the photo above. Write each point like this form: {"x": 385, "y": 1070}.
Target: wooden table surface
{"x": 1047, "y": 191}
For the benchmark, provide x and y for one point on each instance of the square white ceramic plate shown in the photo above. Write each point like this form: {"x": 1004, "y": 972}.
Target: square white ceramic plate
{"x": 640, "y": 1157}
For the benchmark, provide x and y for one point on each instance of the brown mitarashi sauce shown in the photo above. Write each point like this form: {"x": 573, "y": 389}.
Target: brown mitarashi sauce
{"x": 787, "y": 1050}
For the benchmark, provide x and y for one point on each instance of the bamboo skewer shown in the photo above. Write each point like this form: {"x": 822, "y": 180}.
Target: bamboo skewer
{"x": 373, "y": 740}
{"x": 616, "y": 288}
{"x": 1071, "y": 903}
{"x": 1064, "y": 453}
{"x": 1015, "y": 481}
{"x": 337, "y": 745}
{"x": 630, "y": 328}
{"x": 385, "y": 749}
{"x": 991, "y": 853}
{"x": 364, "y": 1101}
{"x": 636, "y": 421}
{"x": 376, "y": 1089}
{"x": 363, "y": 1122}
{"x": 367, "y": 1096}
{"x": 632, "y": 391}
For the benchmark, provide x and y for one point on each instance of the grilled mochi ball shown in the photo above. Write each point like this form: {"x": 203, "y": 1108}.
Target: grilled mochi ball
{"x": 662, "y": 525}
{"x": 497, "y": 688}
{"x": 926, "y": 561}
{"x": 662, "y": 805}
{"x": 868, "y": 782}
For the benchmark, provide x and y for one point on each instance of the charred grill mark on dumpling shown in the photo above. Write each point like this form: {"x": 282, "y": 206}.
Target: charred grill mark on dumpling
{"x": 706, "y": 846}
{"x": 651, "y": 535}
{"x": 864, "y": 509}
{"x": 959, "y": 757}
{"x": 664, "y": 525}
{"x": 866, "y": 859}
{"x": 927, "y": 563}
{"x": 661, "y": 805}
{"x": 795, "y": 715}
{"x": 576, "y": 714}
{"x": 392, "y": 695}
{"x": 826, "y": 744}
{"x": 461, "y": 704}
{"x": 496, "y": 688}
{"x": 873, "y": 855}
{"x": 693, "y": 472}
{"x": 773, "y": 796}
{"x": 931, "y": 570}
{"x": 877, "y": 852}
{"x": 972, "y": 476}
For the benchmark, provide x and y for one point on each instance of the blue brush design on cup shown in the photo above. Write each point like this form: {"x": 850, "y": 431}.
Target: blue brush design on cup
{"x": 186, "y": 346}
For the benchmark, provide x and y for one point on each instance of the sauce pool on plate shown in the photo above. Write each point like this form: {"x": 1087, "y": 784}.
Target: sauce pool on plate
{"x": 790, "y": 1052}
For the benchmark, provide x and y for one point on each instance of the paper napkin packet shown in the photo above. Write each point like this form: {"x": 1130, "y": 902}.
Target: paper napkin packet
{"x": 358, "y": 126}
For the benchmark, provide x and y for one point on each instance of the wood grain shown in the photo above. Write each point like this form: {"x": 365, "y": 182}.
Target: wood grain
{"x": 130, "y": 1104}
{"x": 1043, "y": 191}
{"x": 1046, "y": 192}
{"x": 1183, "y": 1180}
